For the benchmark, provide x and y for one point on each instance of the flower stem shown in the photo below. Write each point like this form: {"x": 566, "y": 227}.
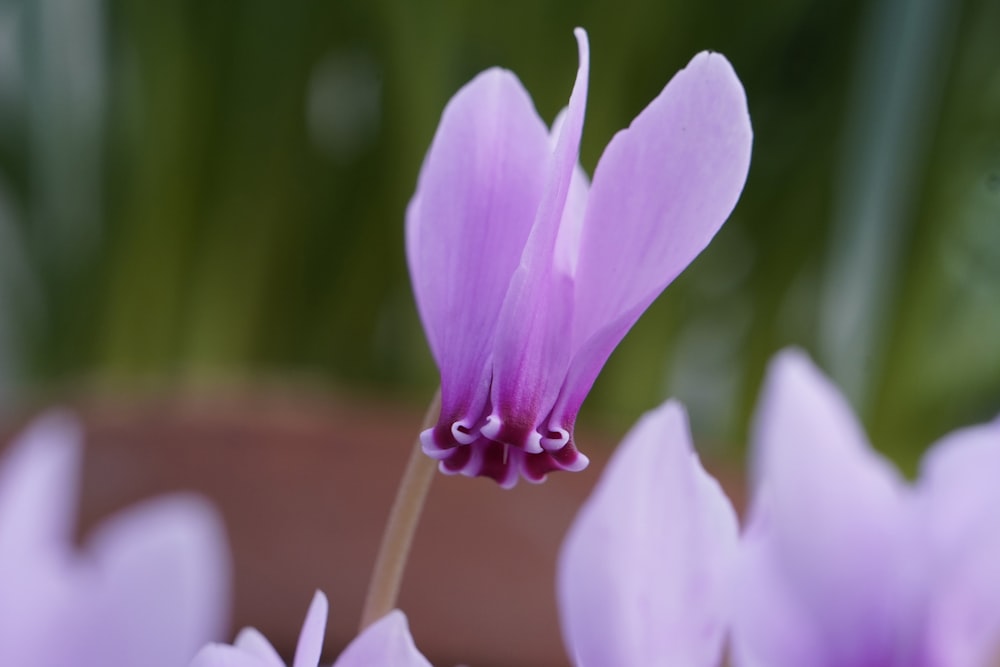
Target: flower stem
{"x": 383, "y": 588}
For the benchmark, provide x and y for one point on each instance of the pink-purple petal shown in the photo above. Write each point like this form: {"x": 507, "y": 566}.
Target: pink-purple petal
{"x": 567, "y": 250}
{"x": 661, "y": 190}
{"x": 963, "y": 623}
{"x": 149, "y": 588}
{"x": 644, "y": 570}
{"x": 310, "y": 645}
{"x": 837, "y": 527}
{"x": 222, "y": 655}
{"x": 39, "y": 482}
{"x": 160, "y": 583}
{"x": 531, "y": 354}
{"x": 250, "y": 640}
{"x": 39, "y": 592}
{"x": 958, "y": 485}
{"x": 385, "y": 643}
{"x": 959, "y": 496}
{"x": 772, "y": 628}
{"x": 252, "y": 649}
{"x": 466, "y": 227}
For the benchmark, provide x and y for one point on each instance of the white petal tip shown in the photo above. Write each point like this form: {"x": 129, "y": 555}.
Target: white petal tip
{"x": 491, "y": 429}
{"x": 463, "y": 433}
{"x": 560, "y": 440}
{"x": 534, "y": 443}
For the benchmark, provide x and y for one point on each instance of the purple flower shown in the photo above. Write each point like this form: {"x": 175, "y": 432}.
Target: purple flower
{"x": 844, "y": 563}
{"x": 149, "y": 587}
{"x": 526, "y": 277}
{"x": 386, "y": 643}
{"x": 644, "y": 571}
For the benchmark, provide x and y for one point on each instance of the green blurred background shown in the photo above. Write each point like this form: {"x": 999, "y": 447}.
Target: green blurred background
{"x": 202, "y": 193}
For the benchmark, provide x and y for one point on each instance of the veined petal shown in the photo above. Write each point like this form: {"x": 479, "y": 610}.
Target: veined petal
{"x": 385, "y": 643}
{"x": 466, "y": 226}
{"x": 531, "y": 355}
{"x": 160, "y": 583}
{"x": 567, "y": 251}
{"x": 959, "y": 495}
{"x": 661, "y": 190}
{"x": 838, "y": 532}
{"x": 644, "y": 570}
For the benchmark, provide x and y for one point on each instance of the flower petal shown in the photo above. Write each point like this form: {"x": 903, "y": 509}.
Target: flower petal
{"x": 250, "y": 640}
{"x": 958, "y": 483}
{"x": 567, "y": 249}
{"x": 39, "y": 482}
{"x": 771, "y": 629}
{"x": 222, "y": 655}
{"x": 39, "y": 597}
{"x": 310, "y": 645}
{"x": 531, "y": 355}
{"x": 478, "y": 191}
{"x": 385, "y": 643}
{"x": 161, "y": 583}
{"x": 831, "y": 528}
{"x": 643, "y": 571}
{"x": 960, "y": 495}
{"x": 661, "y": 190}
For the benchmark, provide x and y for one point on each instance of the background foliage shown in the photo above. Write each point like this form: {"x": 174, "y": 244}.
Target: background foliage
{"x": 205, "y": 190}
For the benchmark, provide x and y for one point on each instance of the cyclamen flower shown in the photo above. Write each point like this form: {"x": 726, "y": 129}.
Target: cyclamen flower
{"x": 847, "y": 565}
{"x": 386, "y": 643}
{"x": 644, "y": 571}
{"x": 526, "y": 278}
{"x": 149, "y": 587}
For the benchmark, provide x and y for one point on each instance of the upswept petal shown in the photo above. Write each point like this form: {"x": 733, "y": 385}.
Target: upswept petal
{"x": 959, "y": 496}
{"x": 570, "y": 227}
{"x": 831, "y": 516}
{"x": 644, "y": 570}
{"x": 476, "y": 198}
{"x": 39, "y": 482}
{"x": 531, "y": 355}
{"x": 661, "y": 190}
{"x": 385, "y": 643}
{"x": 310, "y": 645}
{"x": 160, "y": 583}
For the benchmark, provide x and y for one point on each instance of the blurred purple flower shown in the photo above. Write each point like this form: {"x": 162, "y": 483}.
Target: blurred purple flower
{"x": 846, "y": 564}
{"x": 386, "y": 643}
{"x": 149, "y": 587}
{"x": 644, "y": 571}
{"x": 526, "y": 278}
